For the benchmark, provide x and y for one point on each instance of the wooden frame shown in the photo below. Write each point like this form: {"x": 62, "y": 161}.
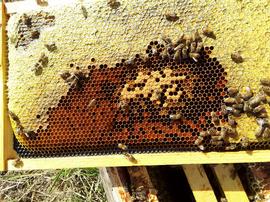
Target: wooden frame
{"x": 8, "y": 155}
{"x": 225, "y": 184}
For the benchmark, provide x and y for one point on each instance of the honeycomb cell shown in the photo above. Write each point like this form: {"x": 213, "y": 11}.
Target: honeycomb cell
{"x": 148, "y": 103}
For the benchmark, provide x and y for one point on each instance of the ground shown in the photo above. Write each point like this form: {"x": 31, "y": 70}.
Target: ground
{"x": 52, "y": 185}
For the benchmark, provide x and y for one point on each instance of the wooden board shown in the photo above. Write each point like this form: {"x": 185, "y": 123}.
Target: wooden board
{"x": 143, "y": 159}
{"x": 114, "y": 187}
{"x": 207, "y": 185}
{"x": 6, "y": 134}
{"x": 199, "y": 183}
{"x": 230, "y": 183}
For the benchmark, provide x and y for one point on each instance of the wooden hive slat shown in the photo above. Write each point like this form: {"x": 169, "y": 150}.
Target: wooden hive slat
{"x": 231, "y": 185}
{"x": 114, "y": 187}
{"x": 199, "y": 183}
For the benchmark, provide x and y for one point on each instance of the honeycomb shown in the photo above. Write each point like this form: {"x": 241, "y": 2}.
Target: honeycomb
{"x": 93, "y": 91}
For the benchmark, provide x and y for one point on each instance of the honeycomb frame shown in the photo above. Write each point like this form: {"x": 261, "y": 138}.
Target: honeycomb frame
{"x": 119, "y": 104}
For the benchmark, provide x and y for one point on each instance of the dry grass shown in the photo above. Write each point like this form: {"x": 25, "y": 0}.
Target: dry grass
{"x": 52, "y": 185}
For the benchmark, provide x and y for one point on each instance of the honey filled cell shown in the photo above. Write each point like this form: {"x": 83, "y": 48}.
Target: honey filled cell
{"x": 133, "y": 104}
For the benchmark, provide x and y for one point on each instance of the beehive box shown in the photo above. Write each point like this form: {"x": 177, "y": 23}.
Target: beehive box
{"x": 155, "y": 82}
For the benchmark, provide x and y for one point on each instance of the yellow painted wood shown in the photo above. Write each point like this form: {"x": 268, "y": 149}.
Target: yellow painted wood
{"x": 6, "y": 134}
{"x": 199, "y": 183}
{"x": 1, "y": 103}
{"x": 231, "y": 186}
{"x": 143, "y": 159}
{"x": 114, "y": 188}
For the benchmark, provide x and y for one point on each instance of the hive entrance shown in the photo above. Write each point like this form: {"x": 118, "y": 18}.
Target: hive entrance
{"x": 150, "y": 104}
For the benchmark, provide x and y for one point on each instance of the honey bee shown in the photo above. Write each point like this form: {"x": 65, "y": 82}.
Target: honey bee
{"x": 179, "y": 47}
{"x": 260, "y": 132}
{"x": 263, "y": 123}
{"x": 265, "y": 82}
{"x": 29, "y": 134}
{"x": 130, "y": 158}
{"x": 84, "y": 11}
{"x": 43, "y": 60}
{"x": 184, "y": 53}
{"x": 236, "y": 57}
{"x": 238, "y": 106}
{"x": 193, "y": 47}
{"x": 229, "y": 101}
{"x": 123, "y": 105}
{"x": 199, "y": 47}
{"x": 231, "y": 147}
{"x": 259, "y": 109}
{"x": 180, "y": 40}
{"x": 176, "y": 116}
{"x": 37, "y": 69}
{"x": 232, "y": 122}
{"x": 232, "y": 132}
{"x": 232, "y": 92}
{"x": 75, "y": 79}
{"x": 215, "y": 118}
{"x": 92, "y": 103}
{"x": 263, "y": 98}
{"x": 14, "y": 117}
{"x": 224, "y": 110}
{"x": 266, "y": 90}
{"x": 35, "y": 34}
{"x": 248, "y": 94}
{"x": 217, "y": 143}
{"x": 255, "y": 101}
{"x": 222, "y": 199}
{"x": 171, "y": 17}
{"x": 216, "y": 138}
{"x": 17, "y": 163}
{"x": 198, "y": 141}
{"x": 65, "y": 75}
{"x": 194, "y": 56}
{"x": 42, "y": 2}
{"x": 262, "y": 115}
{"x": 201, "y": 147}
{"x": 166, "y": 39}
{"x": 203, "y": 134}
{"x": 27, "y": 20}
{"x": 244, "y": 142}
{"x": 188, "y": 39}
{"x": 236, "y": 112}
{"x": 154, "y": 51}
{"x": 208, "y": 32}
{"x": 177, "y": 56}
{"x": 266, "y": 133}
{"x": 113, "y": 4}
{"x": 51, "y": 47}
{"x": 122, "y": 146}
{"x": 197, "y": 37}
{"x": 247, "y": 108}
{"x": 129, "y": 62}
{"x": 165, "y": 53}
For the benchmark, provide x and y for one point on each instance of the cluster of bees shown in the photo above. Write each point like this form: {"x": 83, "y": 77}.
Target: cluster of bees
{"x": 187, "y": 46}
{"x": 28, "y": 134}
{"x": 236, "y": 104}
{"x": 29, "y": 28}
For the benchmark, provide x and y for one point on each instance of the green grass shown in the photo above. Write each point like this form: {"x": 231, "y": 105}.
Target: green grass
{"x": 52, "y": 185}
